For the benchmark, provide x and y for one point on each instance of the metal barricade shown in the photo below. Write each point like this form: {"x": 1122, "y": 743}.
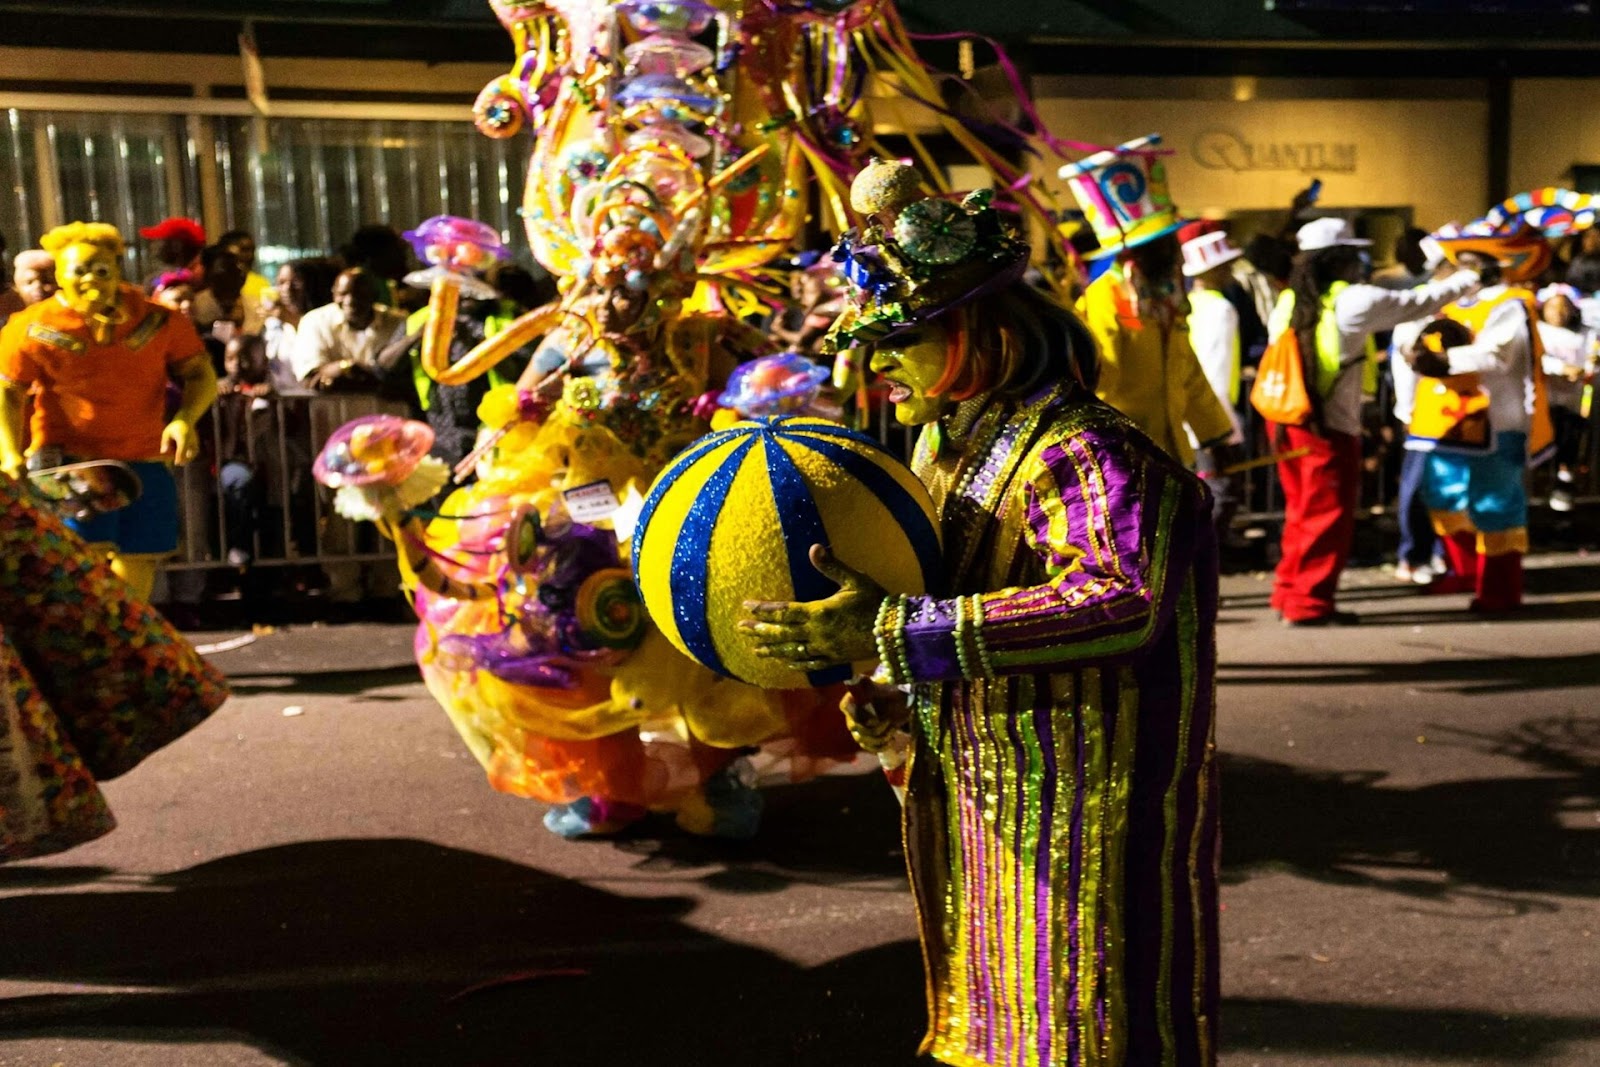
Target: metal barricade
{"x": 1261, "y": 495}
{"x": 250, "y": 492}
{"x": 251, "y": 489}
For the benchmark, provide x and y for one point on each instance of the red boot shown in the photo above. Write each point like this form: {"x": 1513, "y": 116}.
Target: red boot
{"x": 1499, "y": 584}
{"x": 1462, "y": 550}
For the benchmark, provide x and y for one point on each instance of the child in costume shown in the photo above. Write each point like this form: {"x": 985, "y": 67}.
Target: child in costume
{"x": 1481, "y": 413}
{"x": 96, "y": 359}
{"x": 94, "y": 680}
{"x": 1061, "y": 807}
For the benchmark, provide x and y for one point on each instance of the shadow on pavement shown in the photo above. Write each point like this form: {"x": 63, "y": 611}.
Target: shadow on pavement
{"x": 1262, "y": 599}
{"x": 355, "y": 953}
{"x": 1510, "y": 674}
{"x": 330, "y": 682}
{"x": 1537, "y": 581}
{"x": 1389, "y": 1033}
{"x": 351, "y": 952}
{"x": 1345, "y": 827}
{"x": 833, "y": 830}
{"x": 1457, "y": 612}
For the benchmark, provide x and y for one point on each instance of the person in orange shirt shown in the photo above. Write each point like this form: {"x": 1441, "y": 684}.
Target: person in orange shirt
{"x": 96, "y": 360}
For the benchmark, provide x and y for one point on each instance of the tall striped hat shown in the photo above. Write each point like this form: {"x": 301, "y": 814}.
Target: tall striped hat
{"x": 734, "y": 517}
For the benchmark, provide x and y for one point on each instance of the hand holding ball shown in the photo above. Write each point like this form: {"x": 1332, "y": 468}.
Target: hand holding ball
{"x": 734, "y": 518}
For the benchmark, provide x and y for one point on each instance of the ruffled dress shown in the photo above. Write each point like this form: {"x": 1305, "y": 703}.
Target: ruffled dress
{"x": 91, "y": 682}
{"x": 636, "y": 726}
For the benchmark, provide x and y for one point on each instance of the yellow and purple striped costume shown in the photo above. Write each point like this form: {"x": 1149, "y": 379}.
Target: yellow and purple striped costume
{"x": 1061, "y": 816}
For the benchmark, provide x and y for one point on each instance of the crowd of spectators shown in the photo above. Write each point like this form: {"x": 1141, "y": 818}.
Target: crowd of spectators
{"x": 346, "y": 327}
{"x": 325, "y": 340}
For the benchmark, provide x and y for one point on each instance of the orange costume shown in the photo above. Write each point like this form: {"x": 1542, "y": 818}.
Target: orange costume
{"x": 95, "y": 361}
{"x": 97, "y": 401}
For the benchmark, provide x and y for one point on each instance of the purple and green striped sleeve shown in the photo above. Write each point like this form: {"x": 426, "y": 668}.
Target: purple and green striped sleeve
{"x": 1109, "y": 525}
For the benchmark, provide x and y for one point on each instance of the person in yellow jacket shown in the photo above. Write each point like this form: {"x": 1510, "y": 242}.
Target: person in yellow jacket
{"x": 1138, "y": 315}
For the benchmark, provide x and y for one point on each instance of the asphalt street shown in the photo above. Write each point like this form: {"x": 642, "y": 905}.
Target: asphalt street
{"x": 319, "y": 875}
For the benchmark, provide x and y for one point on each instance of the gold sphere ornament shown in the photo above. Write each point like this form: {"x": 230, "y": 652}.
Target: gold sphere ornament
{"x": 884, "y": 187}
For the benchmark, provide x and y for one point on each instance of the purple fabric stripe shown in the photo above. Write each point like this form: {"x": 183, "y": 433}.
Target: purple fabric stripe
{"x": 1075, "y": 881}
{"x": 1045, "y": 963}
{"x": 975, "y": 847}
{"x": 1023, "y": 758}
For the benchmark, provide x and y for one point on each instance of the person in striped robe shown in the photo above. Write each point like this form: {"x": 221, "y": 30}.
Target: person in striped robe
{"x": 1061, "y": 814}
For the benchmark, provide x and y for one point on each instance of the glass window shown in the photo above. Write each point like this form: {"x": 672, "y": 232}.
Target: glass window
{"x": 303, "y": 186}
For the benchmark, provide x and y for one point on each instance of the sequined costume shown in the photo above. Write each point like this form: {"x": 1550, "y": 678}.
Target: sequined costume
{"x": 91, "y": 682}
{"x": 1061, "y": 819}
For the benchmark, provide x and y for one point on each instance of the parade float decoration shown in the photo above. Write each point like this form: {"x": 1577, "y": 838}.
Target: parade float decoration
{"x": 680, "y": 153}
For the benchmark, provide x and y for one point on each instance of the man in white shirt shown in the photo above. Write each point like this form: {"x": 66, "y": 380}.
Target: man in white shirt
{"x": 335, "y": 351}
{"x": 1334, "y": 314}
{"x": 336, "y": 346}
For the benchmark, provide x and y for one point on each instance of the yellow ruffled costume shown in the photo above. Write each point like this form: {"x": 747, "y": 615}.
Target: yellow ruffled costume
{"x": 642, "y": 731}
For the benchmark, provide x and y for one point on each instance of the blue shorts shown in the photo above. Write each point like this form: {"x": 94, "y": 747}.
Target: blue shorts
{"x": 1487, "y": 488}
{"x": 146, "y": 527}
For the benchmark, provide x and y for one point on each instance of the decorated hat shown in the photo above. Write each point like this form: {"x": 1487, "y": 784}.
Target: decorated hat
{"x": 1328, "y": 232}
{"x": 1553, "y": 212}
{"x": 1522, "y": 251}
{"x": 373, "y": 449}
{"x": 1550, "y": 292}
{"x": 1517, "y": 231}
{"x": 917, "y": 256}
{"x": 1206, "y": 251}
{"x": 1123, "y": 193}
{"x": 186, "y": 230}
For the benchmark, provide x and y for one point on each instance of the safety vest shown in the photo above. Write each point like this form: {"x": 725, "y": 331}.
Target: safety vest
{"x": 1329, "y": 350}
{"x": 503, "y": 317}
{"x": 1453, "y": 412}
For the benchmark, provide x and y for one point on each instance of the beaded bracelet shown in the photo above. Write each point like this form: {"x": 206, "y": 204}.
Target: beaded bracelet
{"x": 982, "y": 646}
{"x": 960, "y": 638}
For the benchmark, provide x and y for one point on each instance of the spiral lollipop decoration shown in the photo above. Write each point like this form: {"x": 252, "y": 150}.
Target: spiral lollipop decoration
{"x": 608, "y": 610}
{"x": 501, "y": 109}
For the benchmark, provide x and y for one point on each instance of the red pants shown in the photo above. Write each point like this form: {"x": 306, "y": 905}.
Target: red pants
{"x": 1319, "y": 521}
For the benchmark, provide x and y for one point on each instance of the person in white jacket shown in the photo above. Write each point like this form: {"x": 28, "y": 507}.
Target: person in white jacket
{"x": 1334, "y": 315}
{"x": 1482, "y": 409}
{"x": 1214, "y": 335}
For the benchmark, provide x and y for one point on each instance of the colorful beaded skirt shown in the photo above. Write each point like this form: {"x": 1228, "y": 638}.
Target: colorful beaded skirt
{"x": 91, "y": 682}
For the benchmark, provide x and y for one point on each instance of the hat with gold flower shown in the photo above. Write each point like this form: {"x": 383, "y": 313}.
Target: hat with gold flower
{"x": 916, "y": 256}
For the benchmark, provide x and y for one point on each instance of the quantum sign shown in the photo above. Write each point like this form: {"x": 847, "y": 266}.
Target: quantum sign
{"x": 1230, "y": 150}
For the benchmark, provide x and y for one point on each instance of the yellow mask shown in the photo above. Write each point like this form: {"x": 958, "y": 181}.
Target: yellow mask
{"x": 88, "y": 276}
{"x": 913, "y": 362}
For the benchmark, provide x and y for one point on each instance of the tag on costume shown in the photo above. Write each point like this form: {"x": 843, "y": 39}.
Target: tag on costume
{"x": 591, "y": 503}
{"x": 626, "y": 517}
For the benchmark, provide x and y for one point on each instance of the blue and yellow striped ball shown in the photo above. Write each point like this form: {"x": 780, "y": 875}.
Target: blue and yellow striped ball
{"x": 734, "y": 517}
